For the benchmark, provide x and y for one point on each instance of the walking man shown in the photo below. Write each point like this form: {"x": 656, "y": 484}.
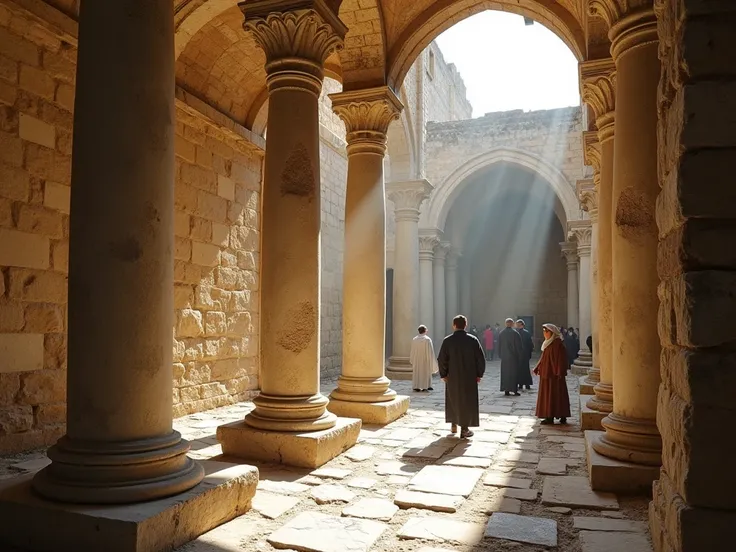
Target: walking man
{"x": 509, "y": 351}
{"x": 422, "y": 360}
{"x": 462, "y": 364}
{"x": 527, "y": 346}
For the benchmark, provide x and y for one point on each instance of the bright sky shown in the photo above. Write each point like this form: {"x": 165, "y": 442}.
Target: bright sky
{"x": 507, "y": 65}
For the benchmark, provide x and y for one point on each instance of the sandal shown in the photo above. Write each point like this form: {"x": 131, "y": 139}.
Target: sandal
{"x": 466, "y": 434}
{"x": 453, "y": 429}
{"x": 547, "y": 421}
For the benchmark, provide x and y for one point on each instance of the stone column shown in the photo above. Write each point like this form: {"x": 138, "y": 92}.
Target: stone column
{"x": 570, "y": 252}
{"x": 427, "y": 244}
{"x": 440, "y": 311}
{"x": 120, "y": 446}
{"x": 407, "y": 198}
{"x": 296, "y": 40}
{"x": 465, "y": 295}
{"x": 631, "y": 434}
{"x": 598, "y": 80}
{"x": 588, "y": 197}
{"x": 582, "y": 231}
{"x": 452, "y": 287}
{"x": 363, "y": 388}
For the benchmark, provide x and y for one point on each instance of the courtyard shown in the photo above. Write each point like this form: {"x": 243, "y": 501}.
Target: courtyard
{"x": 409, "y": 486}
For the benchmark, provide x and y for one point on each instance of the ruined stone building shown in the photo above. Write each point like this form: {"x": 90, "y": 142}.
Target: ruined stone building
{"x": 263, "y": 181}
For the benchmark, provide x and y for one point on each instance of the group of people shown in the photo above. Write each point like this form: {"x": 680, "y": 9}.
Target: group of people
{"x": 461, "y": 363}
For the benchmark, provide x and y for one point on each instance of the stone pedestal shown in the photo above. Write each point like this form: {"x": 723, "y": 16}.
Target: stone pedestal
{"x": 582, "y": 232}
{"x": 613, "y": 475}
{"x": 631, "y": 434}
{"x": 407, "y": 198}
{"x": 599, "y": 85}
{"x": 362, "y": 388}
{"x": 296, "y": 43}
{"x": 440, "y": 311}
{"x": 120, "y": 446}
{"x": 224, "y": 494}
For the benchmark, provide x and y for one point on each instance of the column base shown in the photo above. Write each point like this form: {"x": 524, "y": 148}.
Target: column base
{"x": 630, "y": 440}
{"x": 399, "y": 368}
{"x": 224, "y": 494}
{"x": 589, "y": 418}
{"x": 366, "y": 390}
{"x": 372, "y": 413}
{"x": 583, "y": 363}
{"x": 305, "y": 450}
{"x": 594, "y": 376}
{"x": 585, "y": 387}
{"x": 603, "y": 399}
{"x": 612, "y": 475}
{"x": 283, "y": 413}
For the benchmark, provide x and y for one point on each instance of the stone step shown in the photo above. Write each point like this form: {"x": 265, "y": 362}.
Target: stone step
{"x": 589, "y": 418}
{"x": 608, "y": 474}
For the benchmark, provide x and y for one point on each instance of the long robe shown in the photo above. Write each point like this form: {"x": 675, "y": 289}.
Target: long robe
{"x": 527, "y": 346}
{"x": 422, "y": 362}
{"x": 571, "y": 348}
{"x": 553, "y": 400}
{"x": 461, "y": 361}
{"x": 509, "y": 351}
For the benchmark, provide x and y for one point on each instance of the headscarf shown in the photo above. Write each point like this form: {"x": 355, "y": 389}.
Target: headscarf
{"x": 555, "y": 335}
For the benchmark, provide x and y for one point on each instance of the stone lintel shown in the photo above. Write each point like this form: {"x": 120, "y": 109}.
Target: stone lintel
{"x": 371, "y": 413}
{"x": 32, "y": 523}
{"x": 585, "y": 387}
{"x": 608, "y": 474}
{"x": 589, "y": 418}
{"x": 305, "y": 450}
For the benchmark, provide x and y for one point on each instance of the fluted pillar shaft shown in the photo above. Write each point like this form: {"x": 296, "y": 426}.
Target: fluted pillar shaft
{"x": 427, "y": 244}
{"x": 598, "y": 80}
{"x": 588, "y": 196}
{"x": 440, "y": 310}
{"x": 631, "y": 433}
{"x": 569, "y": 251}
{"x": 120, "y": 446}
{"x": 407, "y": 198}
{"x": 452, "y": 286}
{"x": 582, "y": 231}
{"x": 366, "y": 114}
{"x": 296, "y": 44}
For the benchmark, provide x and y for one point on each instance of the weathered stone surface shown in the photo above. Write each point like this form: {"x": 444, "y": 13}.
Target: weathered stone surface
{"x": 325, "y": 494}
{"x": 603, "y": 541}
{"x": 552, "y": 466}
{"x": 441, "y": 530}
{"x": 521, "y": 494}
{"x": 315, "y": 532}
{"x": 331, "y": 473}
{"x": 491, "y": 437}
{"x": 360, "y": 453}
{"x": 467, "y": 461}
{"x": 398, "y": 480}
{"x": 273, "y": 505}
{"x": 372, "y": 508}
{"x": 282, "y": 487}
{"x": 606, "y": 524}
{"x": 519, "y": 456}
{"x": 450, "y": 480}
{"x": 501, "y": 479}
{"x": 528, "y": 529}
{"x": 361, "y": 482}
{"x": 428, "y": 501}
{"x": 575, "y": 491}
{"x": 559, "y": 510}
{"x": 396, "y": 468}
{"x": 478, "y": 450}
{"x": 500, "y": 503}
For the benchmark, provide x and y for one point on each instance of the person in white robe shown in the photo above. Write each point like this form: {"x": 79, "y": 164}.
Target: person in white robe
{"x": 423, "y": 361}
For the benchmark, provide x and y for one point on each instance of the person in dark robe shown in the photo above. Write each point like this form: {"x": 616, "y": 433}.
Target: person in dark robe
{"x": 510, "y": 353}
{"x": 589, "y": 343}
{"x": 527, "y": 346}
{"x": 569, "y": 343}
{"x": 553, "y": 400}
{"x": 462, "y": 365}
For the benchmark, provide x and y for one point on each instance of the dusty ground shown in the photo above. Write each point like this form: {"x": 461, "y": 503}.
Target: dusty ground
{"x": 511, "y": 415}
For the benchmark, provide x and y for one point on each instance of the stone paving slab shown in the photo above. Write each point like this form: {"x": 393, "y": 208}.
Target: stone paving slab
{"x": 317, "y": 532}
{"x": 520, "y": 456}
{"x": 272, "y": 506}
{"x": 552, "y": 466}
{"x": 428, "y": 501}
{"x": 491, "y": 437}
{"x": 574, "y": 491}
{"x": 521, "y": 494}
{"x": 282, "y": 487}
{"x": 610, "y": 541}
{"x": 396, "y": 468}
{"x": 608, "y": 524}
{"x": 361, "y": 482}
{"x": 500, "y": 479}
{"x": 331, "y": 473}
{"x": 372, "y": 508}
{"x": 501, "y": 503}
{"x": 360, "y": 453}
{"x": 466, "y": 461}
{"x": 441, "y": 530}
{"x": 451, "y": 480}
{"x": 526, "y": 529}
{"x": 325, "y": 494}
{"x": 479, "y": 450}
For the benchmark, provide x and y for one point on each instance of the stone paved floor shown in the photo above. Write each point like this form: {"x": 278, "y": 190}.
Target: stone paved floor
{"x": 533, "y": 477}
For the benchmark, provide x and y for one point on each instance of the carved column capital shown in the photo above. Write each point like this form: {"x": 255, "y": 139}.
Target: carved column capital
{"x": 569, "y": 251}
{"x": 453, "y": 257}
{"x": 631, "y": 23}
{"x": 588, "y": 197}
{"x": 427, "y": 245}
{"x": 440, "y": 252}
{"x": 407, "y": 197}
{"x": 367, "y": 115}
{"x": 592, "y": 154}
{"x": 582, "y": 232}
{"x": 297, "y": 36}
{"x": 598, "y": 84}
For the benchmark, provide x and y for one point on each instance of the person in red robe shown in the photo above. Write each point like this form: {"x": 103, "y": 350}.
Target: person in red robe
{"x": 553, "y": 400}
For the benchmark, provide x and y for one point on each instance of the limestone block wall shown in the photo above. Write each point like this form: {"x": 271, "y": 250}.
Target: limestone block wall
{"x": 217, "y": 196}
{"x": 445, "y": 95}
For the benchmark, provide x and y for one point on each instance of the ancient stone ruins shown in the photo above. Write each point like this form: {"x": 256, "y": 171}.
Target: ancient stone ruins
{"x": 287, "y": 188}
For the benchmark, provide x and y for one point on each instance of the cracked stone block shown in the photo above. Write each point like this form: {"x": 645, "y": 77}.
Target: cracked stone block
{"x": 325, "y": 494}
{"x": 441, "y": 530}
{"x": 428, "y": 501}
{"x": 380, "y": 509}
{"x": 315, "y": 532}
{"x": 500, "y": 479}
{"x": 527, "y": 529}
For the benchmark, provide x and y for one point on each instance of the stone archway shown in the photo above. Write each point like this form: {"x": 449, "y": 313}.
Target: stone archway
{"x": 439, "y": 204}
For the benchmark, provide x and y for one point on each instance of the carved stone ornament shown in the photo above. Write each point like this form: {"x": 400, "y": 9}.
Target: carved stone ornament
{"x": 592, "y": 153}
{"x": 630, "y": 22}
{"x": 582, "y": 232}
{"x": 289, "y": 31}
{"x": 569, "y": 251}
{"x": 367, "y": 114}
{"x": 427, "y": 246}
{"x": 598, "y": 84}
{"x": 408, "y": 196}
{"x": 588, "y": 197}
